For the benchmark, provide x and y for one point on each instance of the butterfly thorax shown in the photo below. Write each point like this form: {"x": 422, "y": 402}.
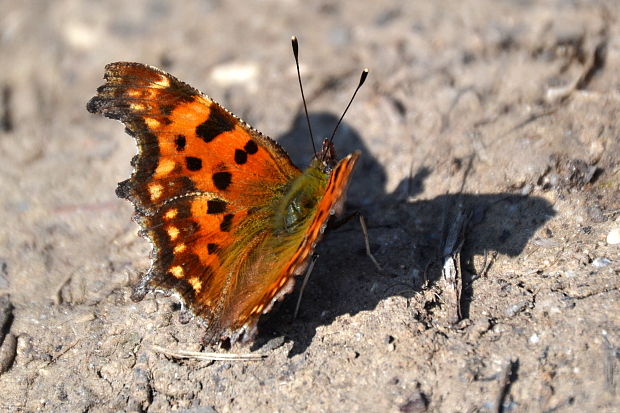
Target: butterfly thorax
{"x": 300, "y": 200}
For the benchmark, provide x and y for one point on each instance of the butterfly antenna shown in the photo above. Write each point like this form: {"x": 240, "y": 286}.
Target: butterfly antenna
{"x": 303, "y": 98}
{"x": 362, "y": 80}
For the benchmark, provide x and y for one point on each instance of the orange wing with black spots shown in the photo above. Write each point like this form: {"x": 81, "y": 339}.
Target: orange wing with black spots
{"x": 187, "y": 142}
{"x": 205, "y": 187}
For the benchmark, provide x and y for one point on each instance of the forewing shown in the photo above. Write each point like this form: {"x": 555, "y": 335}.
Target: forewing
{"x": 200, "y": 171}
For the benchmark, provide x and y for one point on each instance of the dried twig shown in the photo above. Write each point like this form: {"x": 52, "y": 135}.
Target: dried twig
{"x": 451, "y": 270}
{"x": 197, "y": 355}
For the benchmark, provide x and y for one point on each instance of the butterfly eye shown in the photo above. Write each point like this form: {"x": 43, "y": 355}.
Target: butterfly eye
{"x": 307, "y": 203}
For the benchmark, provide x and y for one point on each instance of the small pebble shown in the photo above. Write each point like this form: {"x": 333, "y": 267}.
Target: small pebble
{"x": 613, "y": 238}
{"x": 596, "y": 214}
{"x": 546, "y": 242}
{"x": 527, "y": 189}
{"x": 534, "y": 339}
{"x": 516, "y": 308}
{"x": 601, "y": 262}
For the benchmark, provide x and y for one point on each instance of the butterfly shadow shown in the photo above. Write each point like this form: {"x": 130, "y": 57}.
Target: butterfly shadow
{"x": 406, "y": 235}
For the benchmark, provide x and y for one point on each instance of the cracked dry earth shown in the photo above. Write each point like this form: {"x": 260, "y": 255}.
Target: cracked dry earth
{"x": 505, "y": 111}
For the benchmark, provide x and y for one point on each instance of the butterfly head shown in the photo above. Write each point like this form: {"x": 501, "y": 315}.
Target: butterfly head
{"x": 327, "y": 156}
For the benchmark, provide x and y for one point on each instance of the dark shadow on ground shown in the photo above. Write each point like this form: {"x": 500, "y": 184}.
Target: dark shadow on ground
{"x": 405, "y": 236}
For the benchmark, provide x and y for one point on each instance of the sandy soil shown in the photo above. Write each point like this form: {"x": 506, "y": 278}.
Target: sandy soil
{"x": 506, "y": 111}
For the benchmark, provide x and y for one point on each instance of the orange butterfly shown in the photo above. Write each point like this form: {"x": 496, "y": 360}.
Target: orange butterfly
{"x": 230, "y": 218}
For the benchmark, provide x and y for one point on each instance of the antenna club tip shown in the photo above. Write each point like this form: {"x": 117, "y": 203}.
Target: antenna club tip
{"x": 295, "y": 47}
{"x": 364, "y": 76}
{"x": 366, "y": 70}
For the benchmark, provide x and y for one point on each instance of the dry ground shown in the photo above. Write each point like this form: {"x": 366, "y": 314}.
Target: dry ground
{"x": 507, "y": 110}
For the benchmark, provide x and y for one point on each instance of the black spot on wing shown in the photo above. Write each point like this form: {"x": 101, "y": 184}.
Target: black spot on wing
{"x": 193, "y": 164}
{"x": 226, "y": 223}
{"x": 219, "y": 121}
{"x": 222, "y": 180}
{"x": 241, "y": 157}
{"x": 251, "y": 147}
{"x": 211, "y": 248}
{"x": 216, "y": 206}
{"x": 180, "y": 141}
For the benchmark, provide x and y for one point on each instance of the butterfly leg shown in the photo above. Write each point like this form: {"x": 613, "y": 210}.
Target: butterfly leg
{"x": 304, "y": 282}
{"x": 367, "y": 243}
{"x": 338, "y": 224}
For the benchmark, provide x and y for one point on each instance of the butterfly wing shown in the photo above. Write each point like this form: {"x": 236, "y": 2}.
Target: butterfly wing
{"x": 204, "y": 186}
{"x": 292, "y": 254}
{"x": 187, "y": 142}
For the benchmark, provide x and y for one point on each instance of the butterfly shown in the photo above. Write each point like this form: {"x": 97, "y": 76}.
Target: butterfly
{"x": 230, "y": 218}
